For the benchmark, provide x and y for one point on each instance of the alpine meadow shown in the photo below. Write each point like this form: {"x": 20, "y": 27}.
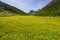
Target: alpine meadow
{"x": 44, "y": 24}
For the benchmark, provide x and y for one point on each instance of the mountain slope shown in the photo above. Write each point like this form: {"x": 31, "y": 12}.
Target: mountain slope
{"x": 52, "y": 9}
{"x": 8, "y": 9}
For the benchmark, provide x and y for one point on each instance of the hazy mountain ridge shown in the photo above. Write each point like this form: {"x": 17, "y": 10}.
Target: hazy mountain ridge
{"x": 8, "y": 9}
{"x": 52, "y": 9}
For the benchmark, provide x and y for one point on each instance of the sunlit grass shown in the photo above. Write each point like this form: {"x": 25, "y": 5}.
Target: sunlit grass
{"x": 29, "y": 28}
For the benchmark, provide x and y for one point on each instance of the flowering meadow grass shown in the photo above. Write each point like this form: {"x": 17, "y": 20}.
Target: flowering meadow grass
{"x": 29, "y": 28}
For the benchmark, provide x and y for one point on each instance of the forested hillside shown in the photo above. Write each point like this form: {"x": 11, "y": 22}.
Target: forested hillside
{"x": 52, "y": 9}
{"x": 6, "y": 9}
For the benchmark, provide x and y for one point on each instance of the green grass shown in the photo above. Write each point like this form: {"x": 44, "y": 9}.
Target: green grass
{"x": 29, "y": 28}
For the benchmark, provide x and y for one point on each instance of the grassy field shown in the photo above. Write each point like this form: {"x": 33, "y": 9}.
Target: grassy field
{"x": 29, "y": 28}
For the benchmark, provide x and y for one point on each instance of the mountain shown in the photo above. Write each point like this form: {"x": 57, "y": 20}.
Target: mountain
{"x": 52, "y": 9}
{"x": 6, "y": 10}
{"x": 31, "y": 12}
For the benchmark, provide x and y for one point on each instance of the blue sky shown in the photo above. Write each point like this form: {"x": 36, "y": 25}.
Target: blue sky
{"x": 27, "y": 5}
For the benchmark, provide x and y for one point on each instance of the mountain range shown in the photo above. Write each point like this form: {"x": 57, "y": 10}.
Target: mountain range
{"x": 52, "y": 9}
